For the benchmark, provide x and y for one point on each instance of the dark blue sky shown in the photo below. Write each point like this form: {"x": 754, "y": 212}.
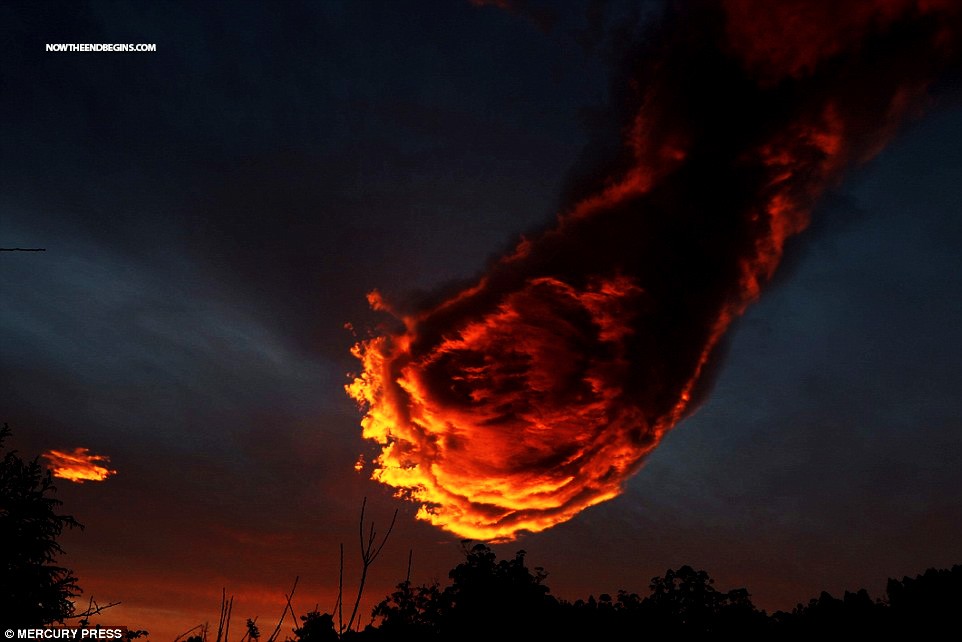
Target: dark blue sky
{"x": 215, "y": 212}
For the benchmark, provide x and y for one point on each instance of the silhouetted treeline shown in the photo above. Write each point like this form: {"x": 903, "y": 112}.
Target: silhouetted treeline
{"x": 485, "y": 597}
{"x": 491, "y": 597}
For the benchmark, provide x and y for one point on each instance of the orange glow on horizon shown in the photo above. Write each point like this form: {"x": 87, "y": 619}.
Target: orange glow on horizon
{"x": 78, "y": 466}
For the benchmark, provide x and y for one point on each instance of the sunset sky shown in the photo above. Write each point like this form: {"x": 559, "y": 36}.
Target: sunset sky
{"x": 215, "y": 212}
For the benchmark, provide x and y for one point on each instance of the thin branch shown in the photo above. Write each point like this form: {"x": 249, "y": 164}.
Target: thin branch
{"x": 360, "y": 524}
{"x": 290, "y": 609}
{"x": 369, "y": 553}
{"x": 230, "y": 609}
{"x": 189, "y": 631}
{"x": 92, "y": 609}
{"x": 226, "y": 606}
{"x": 223, "y": 608}
{"x": 287, "y": 607}
{"x": 340, "y": 594}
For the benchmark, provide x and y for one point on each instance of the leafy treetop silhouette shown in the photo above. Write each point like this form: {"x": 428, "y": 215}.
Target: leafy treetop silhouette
{"x": 485, "y": 595}
{"x": 34, "y": 590}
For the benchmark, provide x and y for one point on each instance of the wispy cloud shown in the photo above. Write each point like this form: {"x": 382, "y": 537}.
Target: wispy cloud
{"x": 78, "y": 466}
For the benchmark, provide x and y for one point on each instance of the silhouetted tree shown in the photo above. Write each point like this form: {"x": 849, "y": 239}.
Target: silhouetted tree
{"x": 927, "y": 602}
{"x": 487, "y": 595}
{"x": 316, "y": 627}
{"x": 855, "y": 615}
{"x": 601, "y": 618}
{"x": 411, "y": 612}
{"x": 684, "y": 597}
{"x": 737, "y": 614}
{"x": 34, "y": 590}
{"x": 253, "y": 631}
{"x": 687, "y": 600}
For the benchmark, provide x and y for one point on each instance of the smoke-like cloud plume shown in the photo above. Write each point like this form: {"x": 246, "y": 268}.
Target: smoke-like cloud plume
{"x": 536, "y": 392}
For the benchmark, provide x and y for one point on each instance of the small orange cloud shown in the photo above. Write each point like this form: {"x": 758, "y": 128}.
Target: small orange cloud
{"x": 78, "y": 466}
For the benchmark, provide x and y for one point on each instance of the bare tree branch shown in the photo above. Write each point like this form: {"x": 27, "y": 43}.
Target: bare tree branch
{"x": 340, "y": 595}
{"x": 191, "y": 630}
{"x": 369, "y": 553}
{"x": 92, "y": 609}
{"x": 287, "y": 607}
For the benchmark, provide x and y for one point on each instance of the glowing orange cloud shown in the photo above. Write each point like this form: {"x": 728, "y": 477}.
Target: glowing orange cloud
{"x": 517, "y": 402}
{"x": 78, "y": 466}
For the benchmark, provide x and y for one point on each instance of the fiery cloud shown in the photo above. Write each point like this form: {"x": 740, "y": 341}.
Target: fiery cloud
{"x": 518, "y": 402}
{"x": 78, "y": 466}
